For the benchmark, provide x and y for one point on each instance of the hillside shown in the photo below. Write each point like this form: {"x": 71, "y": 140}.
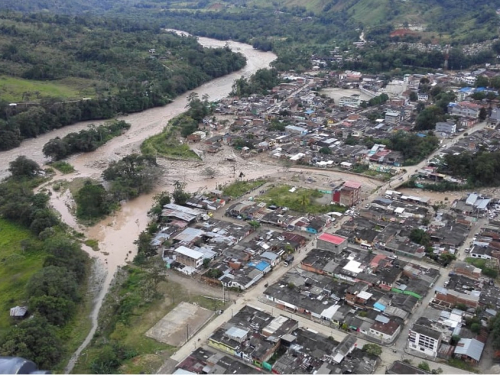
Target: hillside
{"x": 96, "y": 67}
{"x": 451, "y": 21}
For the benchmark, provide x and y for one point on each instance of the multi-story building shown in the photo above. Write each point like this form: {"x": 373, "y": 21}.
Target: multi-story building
{"x": 446, "y": 127}
{"x": 424, "y": 339}
{"x": 352, "y": 101}
{"x": 348, "y": 194}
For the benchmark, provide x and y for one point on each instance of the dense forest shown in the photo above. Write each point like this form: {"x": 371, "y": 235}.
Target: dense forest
{"x": 481, "y": 169}
{"x": 130, "y": 66}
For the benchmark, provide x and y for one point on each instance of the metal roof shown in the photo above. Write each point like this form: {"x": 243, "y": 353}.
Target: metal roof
{"x": 471, "y": 348}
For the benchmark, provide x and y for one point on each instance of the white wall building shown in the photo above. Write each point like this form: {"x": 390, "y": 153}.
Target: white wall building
{"x": 424, "y": 340}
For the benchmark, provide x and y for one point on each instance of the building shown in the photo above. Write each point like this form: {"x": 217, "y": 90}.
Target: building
{"x": 446, "y": 127}
{"x": 464, "y": 109}
{"x": 392, "y": 117}
{"x": 469, "y": 350}
{"x": 188, "y": 257}
{"x": 424, "y": 339}
{"x": 348, "y": 194}
{"x": 386, "y": 330}
{"x": 332, "y": 243}
{"x": 352, "y": 101}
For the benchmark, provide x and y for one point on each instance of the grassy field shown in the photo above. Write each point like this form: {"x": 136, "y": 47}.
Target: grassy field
{"x": 63, "y": 167}
{"x": 167, "y": 144}
{"x": 239, "y": 188}
{"x": 148, "y": 354}
{"x": 301, "y": 200}
{"x": 17, "y": 266}
{"x": 12, "y": 89}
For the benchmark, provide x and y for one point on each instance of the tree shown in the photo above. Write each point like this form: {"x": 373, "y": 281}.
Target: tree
{"x": 482, "y": 81}
{"x": 66, "y": 253}
{"x": 482, "y": 114}
{"x": 23, "y": 167}
{"x": 92, "y": 201}
{"x": 160, "y": 200}
{"x": 35, "y": 339}
{"x": 475, "y": 328}
{"x": 413, "y": 96}
{"x": 424, "y": 366}
{"x": 132, "y": 175}
{"x": 179, "y": 195}
{"x": 144, "y": 247}
{"x": 56, "y": 310}
{"x": 53, "y": 281}
{"x": 420, "y": 237}
{"x": 325, "y": 150}
{"x": 372, "y": 349}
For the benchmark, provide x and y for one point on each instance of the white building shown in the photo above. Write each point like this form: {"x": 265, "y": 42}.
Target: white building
{"x": 446, "y": 127}
{"x": 352, "y": 101}
{"x": 385, "y": 329}
{"x": 392, "y": 117}
{"x": 424, "y": 340}
{"x": 188, "y": 257}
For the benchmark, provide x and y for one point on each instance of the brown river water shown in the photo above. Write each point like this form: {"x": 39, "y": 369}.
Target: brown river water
{"x": 116, "y": 234}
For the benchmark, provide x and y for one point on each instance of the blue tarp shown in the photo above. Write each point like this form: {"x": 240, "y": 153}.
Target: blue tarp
{"x": 379, "y": 306}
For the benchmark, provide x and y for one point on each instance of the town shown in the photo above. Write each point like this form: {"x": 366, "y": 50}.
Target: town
{"x": 331, "y": 274}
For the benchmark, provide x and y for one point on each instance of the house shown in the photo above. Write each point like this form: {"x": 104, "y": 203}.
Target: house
{"x": 469, "y": 350}
{"x": 348, "y": 194}
{"x": 446, "y": 127}
{"x": 467, "y": 270}
{"x": 385, "y": 330}
{"x": 424, "y": 339}
{"x": 188, "y": 257}
{"x": 331, "y": 242}
{"x": 481, "y": 252}
{"x": 464, "y": 109}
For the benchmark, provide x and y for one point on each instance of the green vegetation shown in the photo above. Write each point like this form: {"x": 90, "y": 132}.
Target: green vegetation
{"x": 301, "y": 200}
{"x": 94, "y": 244}
{"x": 130, "y": 66}
{"x": 19, "y": 262}
{"x": 487, "y": 268}
{"x": 132, "y": 176}
{"x": 139, "y": 299}
{"x": 260, "y": 82}
{"x": 63, "y": 167}
{"x": 458, "y": 363}
{"x": 167, "y": 143}
{"x": 424, "y": 366}
{"x": 240, "y": 187}
{"x": 92, "y": 202}
{"x": 47, "y": 274}
{"x": 480, "y": 169}
{"x": 413, "y": 147}
{"x": 14, "y": 89}
{"x": 86, "y": 140}
{"x": 494, "y": 326}
{"x": 372, "y": 349}
{"x": 23, "y": 168}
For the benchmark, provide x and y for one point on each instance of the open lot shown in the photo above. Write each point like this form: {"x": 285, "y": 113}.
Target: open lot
{"x": 337, "y": 93}
{"x": 180, "y": 324}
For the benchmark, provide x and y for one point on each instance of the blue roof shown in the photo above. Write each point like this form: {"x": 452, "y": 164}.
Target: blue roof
{"x": 262, "y": 265}
{"x": 379, "y": 306}
{"x": 480, "y": 89}
{"x": 309, "y": 111}
{"x": 466, "y": 89}
{"x": 421, "y": 135}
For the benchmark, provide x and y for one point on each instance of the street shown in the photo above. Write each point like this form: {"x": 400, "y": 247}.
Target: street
{"x": 389, "y": 354}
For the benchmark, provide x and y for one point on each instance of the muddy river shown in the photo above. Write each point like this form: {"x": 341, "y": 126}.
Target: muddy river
{"x": 116, "y": 234}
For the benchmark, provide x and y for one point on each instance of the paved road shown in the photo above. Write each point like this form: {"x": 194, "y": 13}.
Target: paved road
{"x": 251, "y": 297}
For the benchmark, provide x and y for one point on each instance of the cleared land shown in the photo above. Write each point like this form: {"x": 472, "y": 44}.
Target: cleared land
{"x": 14, "y": 89}
{"x": 299, "y": 199}
{"x": 180, "y": 324}
{"x": 17, "y": 267}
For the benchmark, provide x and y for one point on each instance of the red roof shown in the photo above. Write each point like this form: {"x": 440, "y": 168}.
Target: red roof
{"x": 332, "y": 238}
{"x": 352, "y": 184}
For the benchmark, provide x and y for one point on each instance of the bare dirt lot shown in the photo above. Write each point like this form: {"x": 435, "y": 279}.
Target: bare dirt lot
{"x": 337, "y": 93}
{"x": 179, "y": 324}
